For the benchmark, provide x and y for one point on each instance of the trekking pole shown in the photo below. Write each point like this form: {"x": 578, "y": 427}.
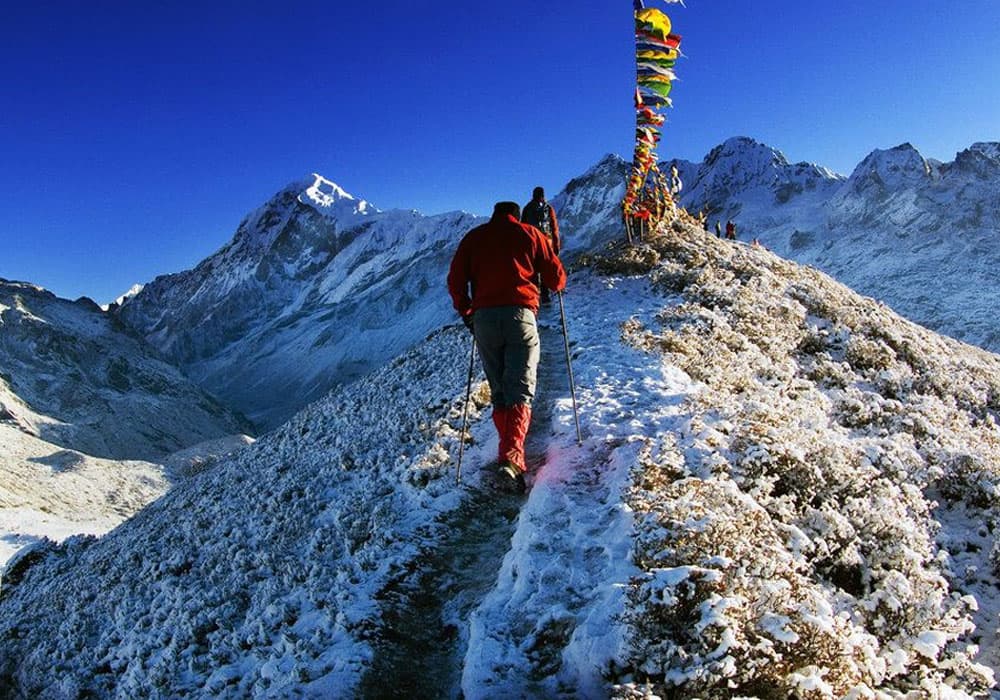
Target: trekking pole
{"x": 465, "y": 413}
{"x": 569, "y": 366}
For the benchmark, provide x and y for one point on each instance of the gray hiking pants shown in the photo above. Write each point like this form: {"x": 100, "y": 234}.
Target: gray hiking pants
{"x": 507, "y": 338}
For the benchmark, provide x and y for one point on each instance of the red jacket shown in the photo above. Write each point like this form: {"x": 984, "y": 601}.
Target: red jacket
{"x": 499, "y": 261}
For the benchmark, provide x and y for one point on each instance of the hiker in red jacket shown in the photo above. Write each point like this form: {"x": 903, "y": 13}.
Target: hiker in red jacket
{"x": 499, "y": 262}
{"x": 730, "y": 230}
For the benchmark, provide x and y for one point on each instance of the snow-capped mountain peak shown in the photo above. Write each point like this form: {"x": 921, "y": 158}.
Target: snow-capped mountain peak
{"x": 328, "y": 196}
{"x": 742, "y": 169}
{"x": 262, "y": 321}
{"x": 610, "y": 162}
{"x": 132, "y": 291}
{"x": 982, "y": 160}
{"x": 314, "y": 204}
{"x": 746, "y": 152}
{"x": 885, "y": 171}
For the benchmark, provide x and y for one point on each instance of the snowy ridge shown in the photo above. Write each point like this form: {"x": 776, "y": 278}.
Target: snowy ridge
{"x": 325, "y": 194}
{"x": 743, "y": 168}
{"x": 990, "y": 150}
{"x": 133, "y": 290}
{"x": 884, "y": 173}
{"x": 72, "y": 376}
{"x": 49, "y": 494}
{"x": 308, "y": 294}
{"x": 797, "y": 503}
{"x": 341, "y": 210}
{"x": 750, "y": 513}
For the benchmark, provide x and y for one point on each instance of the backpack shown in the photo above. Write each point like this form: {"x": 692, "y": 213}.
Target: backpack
{"x": 537, "y": 214}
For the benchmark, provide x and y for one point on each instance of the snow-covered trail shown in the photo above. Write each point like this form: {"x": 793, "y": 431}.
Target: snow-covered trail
{"x": 550, "y": 627}
{"x": 427, "y": 609}
{"x": 520, "y": 598}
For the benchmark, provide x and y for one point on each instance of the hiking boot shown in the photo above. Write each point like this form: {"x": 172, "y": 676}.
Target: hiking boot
{"x": 511, "y": 478}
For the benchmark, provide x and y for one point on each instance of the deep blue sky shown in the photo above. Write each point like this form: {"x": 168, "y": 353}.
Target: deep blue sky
{"x": 134, "y": 136}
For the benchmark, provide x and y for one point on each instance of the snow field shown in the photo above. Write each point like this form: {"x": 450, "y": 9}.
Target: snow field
{"x": 52, "y": 493}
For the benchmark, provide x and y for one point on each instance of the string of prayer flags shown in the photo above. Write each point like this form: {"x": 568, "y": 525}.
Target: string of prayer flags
{"x": 647, "y": 195}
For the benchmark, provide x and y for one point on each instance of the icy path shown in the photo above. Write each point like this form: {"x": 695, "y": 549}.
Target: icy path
{"x": 550, "y": 626}
{"x": 426, "y": 610}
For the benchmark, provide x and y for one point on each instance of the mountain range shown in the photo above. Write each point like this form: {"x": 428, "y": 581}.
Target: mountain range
{"x": 76, "y": 377}
{"x": 918, "y": 234}
{"x": 271, "y": 321}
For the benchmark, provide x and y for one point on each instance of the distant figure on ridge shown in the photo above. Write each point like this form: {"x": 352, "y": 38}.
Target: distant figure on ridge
{"x": 676, "y": 185}
{"x": 718, "y": 228}
{"x": 731, "y": 230}
{"x": 492, "y": 286}
{"x": 540, "y": 214}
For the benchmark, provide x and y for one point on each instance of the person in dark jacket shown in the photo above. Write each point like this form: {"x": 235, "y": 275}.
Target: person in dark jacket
{"x": 492, "y": 286}
{"x": 540, "y": 214}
